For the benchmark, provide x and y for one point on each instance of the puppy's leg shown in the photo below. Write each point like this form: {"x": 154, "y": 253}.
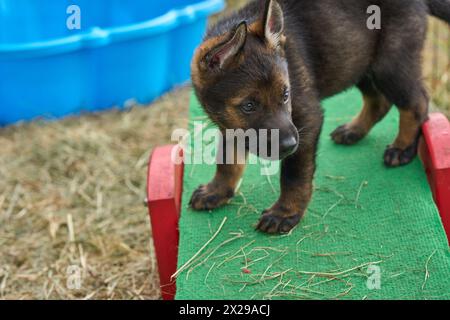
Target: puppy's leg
{"x": 404, "y": 148}
{"x": 407, "y": 92}
{"x": 397, "y": 73}
{"x": 296, "y": 190}
{"x": 230, "y": 167}
{"x": 297, "y": 173}
{"x": 375, "y": 107}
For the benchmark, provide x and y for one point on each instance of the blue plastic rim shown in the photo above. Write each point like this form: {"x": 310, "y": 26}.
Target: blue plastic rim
{"x": 124, "y": 50}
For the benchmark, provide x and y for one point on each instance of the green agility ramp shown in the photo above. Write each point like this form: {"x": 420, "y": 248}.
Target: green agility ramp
{"x": 369, "y": 233}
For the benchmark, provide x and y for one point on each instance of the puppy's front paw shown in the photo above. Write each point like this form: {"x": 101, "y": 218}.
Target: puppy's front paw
{"x": 208, "y": 197}
{"x": 277, "y": 220}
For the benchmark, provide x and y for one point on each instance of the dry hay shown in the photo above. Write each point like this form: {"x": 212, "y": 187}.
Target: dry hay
{"x": 72, "y": 193}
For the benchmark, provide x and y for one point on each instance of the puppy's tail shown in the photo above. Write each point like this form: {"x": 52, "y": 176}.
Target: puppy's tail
{"x": 440, "y": 9}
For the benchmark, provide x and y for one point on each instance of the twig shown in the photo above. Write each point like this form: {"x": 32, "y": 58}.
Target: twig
{"x": 427, "y": 273}
{"x": 189, "y": 262}
{"x": 273, "y": 263}
{"x": 358, "y": 194}
{"x": 237, "y": 236}
{"x": 70, "y": 228}
{"x": 335, "y": 274}
{"x": 307, "y": 236}
{"x": 332, "y": 207}
{"x": 209, "y": 271}
{"x": 233, "y": 256}
{"x": 339, "y": 178}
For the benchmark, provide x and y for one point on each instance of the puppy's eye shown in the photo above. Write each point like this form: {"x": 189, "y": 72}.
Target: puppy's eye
{"x": 248, "y": 107}
{"x": 286, "y": 95}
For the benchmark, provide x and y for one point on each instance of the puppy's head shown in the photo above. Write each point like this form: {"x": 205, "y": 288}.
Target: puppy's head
{"x": 241, "y": 78}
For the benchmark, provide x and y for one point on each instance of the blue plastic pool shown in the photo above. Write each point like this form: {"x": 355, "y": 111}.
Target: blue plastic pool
{"x": 125, "y": 49}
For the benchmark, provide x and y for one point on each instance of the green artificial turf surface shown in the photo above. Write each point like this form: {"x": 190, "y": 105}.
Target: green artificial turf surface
{"x": 365, "y": 220}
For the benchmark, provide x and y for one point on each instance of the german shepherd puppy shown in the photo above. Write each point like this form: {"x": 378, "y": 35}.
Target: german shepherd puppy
{"x": 269, "y": 65}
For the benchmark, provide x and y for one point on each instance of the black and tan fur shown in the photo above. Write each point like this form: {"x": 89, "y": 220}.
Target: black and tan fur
{"x": 269, "y": 65}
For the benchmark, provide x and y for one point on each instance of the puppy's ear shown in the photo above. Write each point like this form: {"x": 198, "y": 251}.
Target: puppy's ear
{"x": 224, "y": 53}
{"x": 274, "y": 24}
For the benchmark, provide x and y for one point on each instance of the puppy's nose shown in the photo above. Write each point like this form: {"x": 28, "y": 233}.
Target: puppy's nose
{"x": 288, "y": 146}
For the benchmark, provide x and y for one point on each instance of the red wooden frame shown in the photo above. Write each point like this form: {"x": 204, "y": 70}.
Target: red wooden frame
{"x": 164, "y": 189}
{"x": 165, "y": 182}
{"x": 434, "y": 151}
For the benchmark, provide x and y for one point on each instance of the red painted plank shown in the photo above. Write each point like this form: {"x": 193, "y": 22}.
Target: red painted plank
{"x": 165, "y": 181}
{"x": 435, "y": 155}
